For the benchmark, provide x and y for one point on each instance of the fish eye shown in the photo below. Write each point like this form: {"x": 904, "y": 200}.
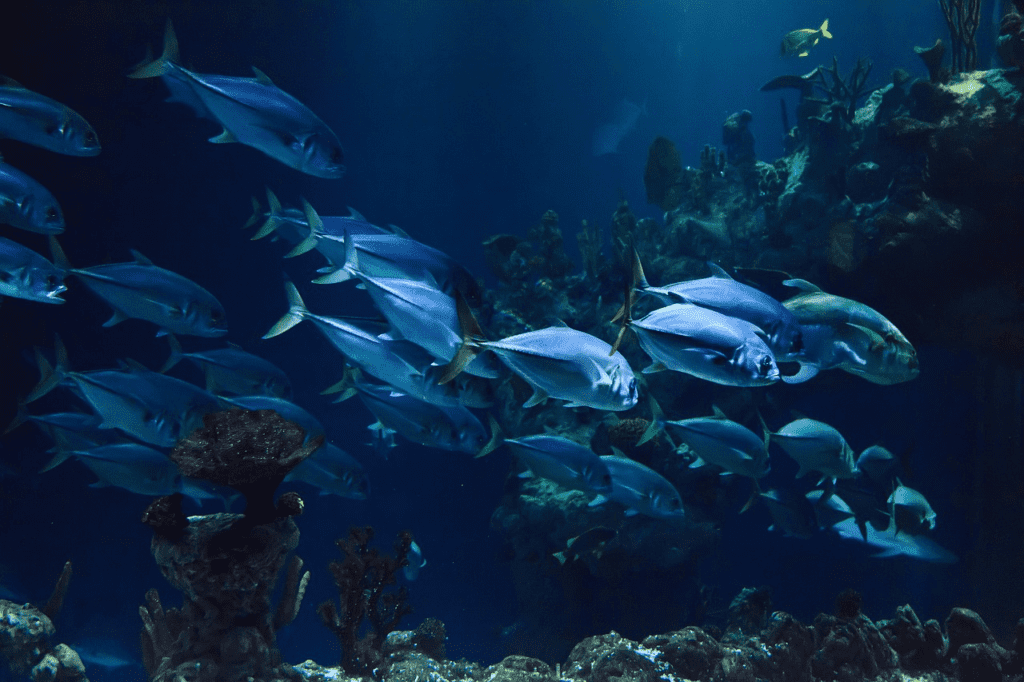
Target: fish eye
{"x": 216, "y": 316}
{"x": 336, "y": 155}
{"x": 52, "y": 281}
{"x": 90, "y": 137}
{"x": 51, "y": 213}
{"x": 766, "y": 364}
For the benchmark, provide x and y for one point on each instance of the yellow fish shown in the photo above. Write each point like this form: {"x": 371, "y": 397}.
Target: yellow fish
{"x": 800, "y": 41}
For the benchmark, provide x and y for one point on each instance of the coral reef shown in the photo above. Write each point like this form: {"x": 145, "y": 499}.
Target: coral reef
{"x": 362, "y": 578}
{"x": 663, "y": 174}
{"x": 25, "y": 634}
{"x": 226, "y": 565}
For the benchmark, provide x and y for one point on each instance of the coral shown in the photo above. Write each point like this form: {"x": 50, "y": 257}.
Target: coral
{"x": 962, "y": 18}
{"x": 589, "y": 241}
{"x": 546, "y": 234}
{"x": 25, "y": 634}
{"x": 249, "y": 450}
{"x": 932, "y": 58}
{"x": 1010, "y": 43}
{"x": 843, "y": 92}
{"x": 737, "y": 138}
{"x": 663, "y": 174}
{"x": 362, "y": 577}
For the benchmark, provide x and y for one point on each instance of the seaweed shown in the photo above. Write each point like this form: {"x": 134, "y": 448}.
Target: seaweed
{"x": 362, "y": 577}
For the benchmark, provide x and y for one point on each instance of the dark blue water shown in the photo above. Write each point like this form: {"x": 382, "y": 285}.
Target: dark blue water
{"x": 460, "y": 120}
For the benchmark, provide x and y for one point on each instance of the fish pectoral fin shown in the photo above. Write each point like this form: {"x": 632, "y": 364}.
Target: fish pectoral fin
{"x": 807, "y": 371}
{"x": 656, "y": 366}
{"x": 539, "y": 396}
{"x": 225, "y": 137}
{"x": 118, "y": 316}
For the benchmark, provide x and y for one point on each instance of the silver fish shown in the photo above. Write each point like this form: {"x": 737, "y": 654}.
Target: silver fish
{"x": 878, "y": 464}
{"x": 910, "y": 511}
{"x": 816, "y": 446}
{"x": 641, "y": 490}
{"x": 292, "y": 224}
{"x": 399, "y": 363}
{"x": 232, "y": 370}
{"x": 26, "y": 274}
{"x": 723, "y": 294}
{"x": 252, "y": 111}
{"x": 706, "y": 344}
{"x": 894, "y": 544}
{"x": 289, "y": 410}
{"x": 333, "y": 471}
{"x": 26, "y": 204}
{"x": 133, "y": 467}
{"x": 725, "y": 444}
{"x": 143, "y": 291}
{"x": 563, "y": 461}
{"x": 35, "y": 119}
{"x": 792, "y": 513}
{"x": 445, "y": 428}
{"x": 153, "y": 408}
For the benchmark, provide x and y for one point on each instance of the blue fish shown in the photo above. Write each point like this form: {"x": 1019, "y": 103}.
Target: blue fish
{"x": 252, "y": 111}
{"x": 563, "y": 461}
{"x": 641, "y": 490}
{"x": 723, "y": 294}
{"x": 26, "y": 204}
{"x": 288, "y": 410}
{"x": 35, "y": 119}
{"x": 232, "y": 370}
{"x": 725, "y": 444}
{"x": 292, "y": 224}
{"x": 334, "y": 472}
{"x": 706, "y": 344}
{"x": 608, "y": 136}
{"x": 143, "y": 291}
{"x": 26, "y": 274}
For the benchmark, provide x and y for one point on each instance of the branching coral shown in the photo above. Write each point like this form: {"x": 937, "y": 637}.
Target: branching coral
{"x": 362, "y": 578}
{"x": 842, "y": 91}
{"x": 962, "y": 17}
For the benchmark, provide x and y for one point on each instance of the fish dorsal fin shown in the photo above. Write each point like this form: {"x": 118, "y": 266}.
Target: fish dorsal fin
{"x": 559, "y": 322}
{"x": 718, "y": 414}
{"x": 130, "y": 363}
{"x": 8, "y": 82}
{"x": 262, "y": 77}
{"x": 802, "y": 285}
{"x": 140, "y": 259}
{"x": 717, "y": 272}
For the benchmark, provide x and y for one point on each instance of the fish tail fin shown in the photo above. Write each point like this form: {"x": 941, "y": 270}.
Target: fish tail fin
{"x": 62, "y": 449}
{"x": 257, "y": 213}
{"x": 273, "y": 215}
{"x": 639, "y": 279}
{"x": 152, "y": 68}
{"x": 20, "y": 418}
{"x": 296, "y": 312}
{"x": 316, "y": 228}
{"x": 49, "y": 376}
{"x": 176, "y": 354}
{"x": 824, "y": 29}
{"x": 497, "y": 437}
{"x": 57, "y": 254}
{"x": 470, "y": 332}
{"x": 626, "y": 313}
{"x": 346, "y": 386}
{"x": 657, "y": 422}
{"x": 755, "y": 495}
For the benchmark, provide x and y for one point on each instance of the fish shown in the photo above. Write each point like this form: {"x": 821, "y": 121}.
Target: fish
{"x": 385, "y": 255}
{"x": 641, "y": 490}
{"x": 148, "y": 406}
{"x": 382, "y": 439}
{"x": 397, "y": 362}
{"x": 792, "y": 513}
{"x": 816, "y": 446}
{"x": 105, "y": 653}
{"x": 25, "y": 274}
{"x": 829, "y": 508}
{"x": 846, "y": 334}
{"x": 426, "y": 316}
{"x": 140, "y": 290}
{"x": 133, "y": 467}
{"x": 557, "y": 362}
{"x": 706, "y": 344}
{"x": 334, "y": 472}
{"x": 721, "y": 293}
{"x": 26, "y": 204}
{"x": 878, "y": 464}
{"x": 415, "y": 562}
{"x": 444, "y": 428}
{"x": 894, "y": 544}
{"x": 37, "y": 120}
{"x": 252, "y": 111}
{"x": 289, "y": 410}
{"x": 563, "y": 461}
{"x": 800, "y": 41}
{"x": 292, "y": 223}
{"x": 591, "y": 542}
{"x": 608, "y": 136}
{"x": 232, "y": 370}
{"x": 727, "y": 445}
{"x": 910, "y": 511}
